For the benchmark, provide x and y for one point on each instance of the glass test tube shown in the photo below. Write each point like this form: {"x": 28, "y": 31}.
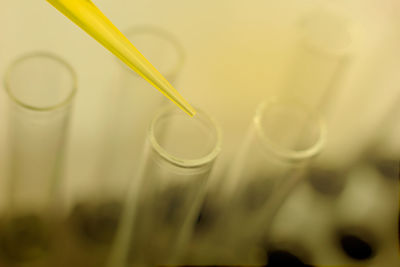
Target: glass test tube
{"x": 283, "y": 136}
{"x": 165, "y": 197}
{"x": 130, "y": 109}
{"x": 135, "y": 103}
{"x": 320, "y": 61}
{"x": 373, "y": 83}
{"x": 41, "y": 88}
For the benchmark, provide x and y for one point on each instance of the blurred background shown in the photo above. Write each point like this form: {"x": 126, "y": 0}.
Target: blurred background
{"x": 339, "y": 57}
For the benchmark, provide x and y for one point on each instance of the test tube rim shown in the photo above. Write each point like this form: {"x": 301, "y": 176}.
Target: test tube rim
{"x": 312, "y": 44}
{"x": 186, "y": 163}
{"x": 166, "y": 35}
{"x": 47, "y": 55}
{"x": 282, "y": 152}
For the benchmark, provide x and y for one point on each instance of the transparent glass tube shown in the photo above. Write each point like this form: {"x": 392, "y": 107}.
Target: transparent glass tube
{"x": 96, "y": 210}
{"x": 282, "y": 138}
{"x": 133, "y": 105}
{"x": 320, "y": 61}
{"x": 165, "y": 198}
{"x": 41, "y": 88}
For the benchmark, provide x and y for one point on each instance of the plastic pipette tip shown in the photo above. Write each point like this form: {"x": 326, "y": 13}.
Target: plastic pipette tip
{"x": 89, "y": 18}
{"x": 188, "y": 109}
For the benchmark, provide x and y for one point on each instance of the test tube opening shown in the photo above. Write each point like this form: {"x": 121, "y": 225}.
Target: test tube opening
{"x": 41, "y": 81}
{"x": 289, "y": 129}
{"x": 326, "y": 32}
{"x": 183, "y": 141}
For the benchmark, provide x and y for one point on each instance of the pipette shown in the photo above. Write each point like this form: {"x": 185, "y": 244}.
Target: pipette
{"x": 88, "y": 17}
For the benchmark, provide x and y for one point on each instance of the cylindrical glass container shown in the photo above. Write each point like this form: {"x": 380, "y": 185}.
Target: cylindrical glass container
{"x": 282, "y": 138}
{"x": 41, "y": 88}
{"x": 352, "y": 128}
{"x": 320, "y": 61}
{"x": 133, "y": 104}
{"x": 164, "y": 199}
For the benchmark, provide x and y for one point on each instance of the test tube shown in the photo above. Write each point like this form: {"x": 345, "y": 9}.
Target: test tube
{"x": 321, "y": 59}
{"x": 283, "y": 137}
{"x": 165, "y": 197}
{"x": 96, "y": 210}
{"x": 41, "y": 89}
{"x": 136, "y": 100}
{"x": 367, "y": 86}
{"x": 130, "y": 109}
{"x": 133, "y": 105}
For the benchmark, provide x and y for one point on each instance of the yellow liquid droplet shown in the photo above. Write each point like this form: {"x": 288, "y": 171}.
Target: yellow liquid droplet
{"x": 88, "y": 17}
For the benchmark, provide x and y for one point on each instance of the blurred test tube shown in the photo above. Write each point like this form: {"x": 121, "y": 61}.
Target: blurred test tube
{"x": 41, "y": 89}
{"x": 96, "y": 209}
{"x": 133, "y": 105}
{"x": 368, "y": 97}
{"x": 320, "y": 60}
{"x": 164, "y": 199}
{"x": 282, "y": 138}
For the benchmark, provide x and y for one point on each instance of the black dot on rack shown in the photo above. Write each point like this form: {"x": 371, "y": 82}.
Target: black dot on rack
{"x": 279, "y": 258}
{"x": 327, "y": 182}
{"x": 96, "y": 222}
{"x": 389, "y": 168}
{"x": 106, "y": 222}
{"x": 355, "y": 247}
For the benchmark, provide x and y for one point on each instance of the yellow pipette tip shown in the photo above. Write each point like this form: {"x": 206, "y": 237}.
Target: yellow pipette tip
{"x": 189, "y": 110}
{"x": 178, "y": 100}
{"x": 88, "y": 17}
